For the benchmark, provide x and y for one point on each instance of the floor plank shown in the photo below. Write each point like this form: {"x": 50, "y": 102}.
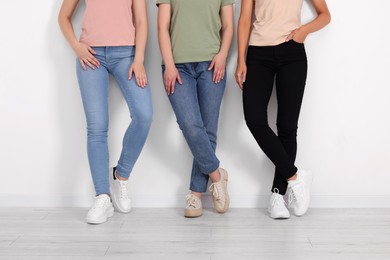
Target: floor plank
{"x": 245, "y": 234}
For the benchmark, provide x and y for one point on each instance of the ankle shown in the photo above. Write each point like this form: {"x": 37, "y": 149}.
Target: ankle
{"x": 197, "y": 194}
{"x": 120, "y": 177}
{"x": 215, "y": 176}
{"x": 294, "y": 177}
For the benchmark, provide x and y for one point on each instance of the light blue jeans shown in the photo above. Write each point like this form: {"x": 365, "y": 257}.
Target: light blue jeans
{"x": 94, "y": 92}
{"x": 196, "y": 104}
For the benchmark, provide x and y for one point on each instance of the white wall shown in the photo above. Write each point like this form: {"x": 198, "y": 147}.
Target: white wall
{"x": 343, "y": 135}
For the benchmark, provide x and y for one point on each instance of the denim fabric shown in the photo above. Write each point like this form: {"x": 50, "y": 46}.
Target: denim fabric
{"x": 196, "y": 104}
{"x": 94, "y": 92}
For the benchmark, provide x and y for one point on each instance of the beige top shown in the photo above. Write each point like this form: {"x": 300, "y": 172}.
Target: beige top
{"x": 274, "y": 20}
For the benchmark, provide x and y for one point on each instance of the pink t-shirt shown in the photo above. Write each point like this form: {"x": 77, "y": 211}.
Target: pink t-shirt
{"x": 108, "y": 23}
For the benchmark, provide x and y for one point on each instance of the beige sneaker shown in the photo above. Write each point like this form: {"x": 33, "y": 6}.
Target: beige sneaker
{"x": 194, "y": 207}
{"x": 220, "y": 193}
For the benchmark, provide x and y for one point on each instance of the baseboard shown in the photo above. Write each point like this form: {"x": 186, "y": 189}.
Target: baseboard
{"x": 174, "y": 201}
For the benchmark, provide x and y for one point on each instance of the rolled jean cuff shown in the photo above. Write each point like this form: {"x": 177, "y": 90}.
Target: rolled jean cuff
{"x": 211, "y": 169}
{"x": 199, "y": 182}
{"x": 121, "y": 172}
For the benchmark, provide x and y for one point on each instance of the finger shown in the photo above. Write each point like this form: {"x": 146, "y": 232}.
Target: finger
{"x": 83, "y": 65}
{"x": 214, "y": 75}
{"x": 89, "y": 64}
{"x": 97, "y": 62}
{"x": 173, "y": 86}
{"x": 145, "y": 80}
{"x": 211, "y": 65}
{"x": 94, "y": 61}
{"x": 167, "y": 88}
{"x": 141, "y": 82}
{"x": 221, "y": 75}
{"x": 90, "y": 61}
{"x": 236, "y": 77}
{"x": 91, "y": 50}
{"x": 242, "y": 80}
{"x": 179, "y": 79}
{"x": 131, "y": 71}
{"x": 138, "y": 80}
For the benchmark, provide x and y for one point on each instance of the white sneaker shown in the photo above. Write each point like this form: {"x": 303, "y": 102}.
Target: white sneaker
{"x": 101, "y": 210}
{"x": 220, "y": 193}
{"x": 277, "y": 206}
{"x": 193, "y": 208}
{"x": 299, "y": 192}
{"x": 119, "y": 193}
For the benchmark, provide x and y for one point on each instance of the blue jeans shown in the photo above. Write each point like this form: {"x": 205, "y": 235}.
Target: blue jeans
{"x": 196, "y": 104}
{"x": 94, "y": 92}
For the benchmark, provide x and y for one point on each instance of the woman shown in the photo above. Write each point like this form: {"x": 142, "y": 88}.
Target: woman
{"x": 276, "y": 54}
{"x": 195, "y": 38}
{"x": 107, "y": 46}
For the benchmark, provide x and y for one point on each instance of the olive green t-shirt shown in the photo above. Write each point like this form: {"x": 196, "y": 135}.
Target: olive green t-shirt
{"x": 195, "y": 29}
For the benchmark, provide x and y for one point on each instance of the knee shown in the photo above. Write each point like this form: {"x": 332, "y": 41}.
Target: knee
{"x": 97, "y": 126}
{"x": 287, "y": 132}
{"x": 256, "y": 120}
{"x": 143, "y": 117}
{"x": 97, "y": 132}
{"x": 256, "y": 124}
{"x": 190, "y": 129}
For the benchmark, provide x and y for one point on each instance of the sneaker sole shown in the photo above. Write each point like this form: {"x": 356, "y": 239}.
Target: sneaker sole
{"x": 109, "y": 214}
{"x": 193, "y": 213}
{"x": 281, "y": 216}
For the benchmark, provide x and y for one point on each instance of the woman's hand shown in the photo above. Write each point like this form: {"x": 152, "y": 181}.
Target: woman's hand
{"x": 298, "y": 35}
{"x": 241, "y": 74}
{"x": 137, "y": 68}
{"x": 85, "y": 54}
{"x": 171, "y": 74}
{"x": 219, "y": 65}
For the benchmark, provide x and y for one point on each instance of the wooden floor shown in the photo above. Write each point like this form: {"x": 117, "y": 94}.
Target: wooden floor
{"x": 147, "y": 234}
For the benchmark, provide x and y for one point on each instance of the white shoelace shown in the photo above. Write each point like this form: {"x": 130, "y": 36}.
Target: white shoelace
{"x": 278, "y": 200}
{"x": 123, "y": 186}
{"x": 192, "y": 201}
{"x": 296, "y": 194}
{"x": 99, "y": 202}
{"x": 217, "y": 190}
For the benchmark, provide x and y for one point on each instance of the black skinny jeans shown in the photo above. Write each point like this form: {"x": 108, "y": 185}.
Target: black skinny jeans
{"x": 286, "y": 66}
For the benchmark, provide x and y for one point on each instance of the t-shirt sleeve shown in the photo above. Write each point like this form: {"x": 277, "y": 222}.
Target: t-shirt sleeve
{"x": 227, "y": 2}
{"x": 163, "y": 2}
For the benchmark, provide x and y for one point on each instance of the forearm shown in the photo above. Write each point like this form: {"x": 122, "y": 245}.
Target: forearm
{"x": 164, "y": 40}
{"x": 243, "y": 32}
{"x": 67, "y": 29}
{"x": 318, "y": 23}
{"x": 141, "y": 37}
{"x": 226, "y": 39}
